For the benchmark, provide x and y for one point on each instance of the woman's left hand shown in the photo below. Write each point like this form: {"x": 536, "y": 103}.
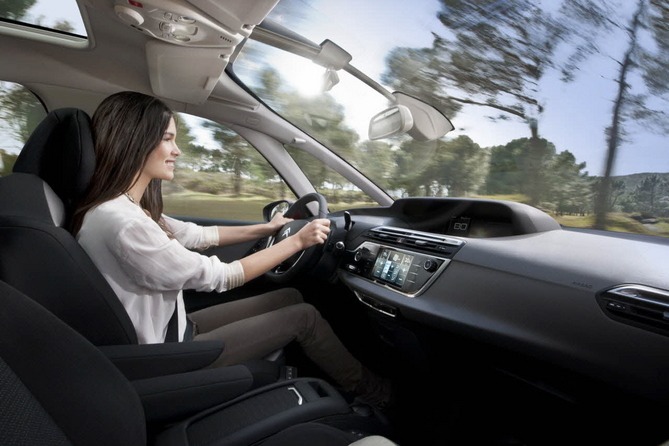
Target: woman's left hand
{"x": 277, "y": 222}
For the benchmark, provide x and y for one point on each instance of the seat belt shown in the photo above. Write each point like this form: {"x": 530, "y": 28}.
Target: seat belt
{"x": 173, "y": 326}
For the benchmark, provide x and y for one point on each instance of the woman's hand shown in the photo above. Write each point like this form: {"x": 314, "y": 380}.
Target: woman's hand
{"x": 315, "y": 232}
{"x": 277, "y": 222}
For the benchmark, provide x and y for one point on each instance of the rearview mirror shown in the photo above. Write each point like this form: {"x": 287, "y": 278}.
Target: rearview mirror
{"x": 393, "y": 121}
{"x": 429, "y": 124}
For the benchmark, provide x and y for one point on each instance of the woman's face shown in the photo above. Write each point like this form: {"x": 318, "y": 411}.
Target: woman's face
{"x": 160, "y": 163}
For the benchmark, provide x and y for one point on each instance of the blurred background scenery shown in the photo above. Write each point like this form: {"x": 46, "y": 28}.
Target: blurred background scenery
{"x": 559, "y": 104}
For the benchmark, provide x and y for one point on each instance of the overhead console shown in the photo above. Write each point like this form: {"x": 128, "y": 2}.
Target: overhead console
{"x": 200, "y": 23}
{"x": 187, "y": 34}
{"x": 405, "y": 261}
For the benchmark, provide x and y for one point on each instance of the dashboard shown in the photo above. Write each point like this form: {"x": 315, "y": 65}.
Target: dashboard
{"x": 508, "y": 275}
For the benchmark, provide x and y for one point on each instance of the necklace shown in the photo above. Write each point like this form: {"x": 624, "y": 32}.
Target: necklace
{"x": 129, "y": 197}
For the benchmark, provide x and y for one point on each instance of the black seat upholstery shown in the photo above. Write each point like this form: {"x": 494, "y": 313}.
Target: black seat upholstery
{"x": 40, "y": 257}
{"x": 58, "y": 389}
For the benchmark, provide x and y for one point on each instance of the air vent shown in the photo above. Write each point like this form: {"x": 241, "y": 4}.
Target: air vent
{"x": 446, "y": 246}
{"x": 639, "y": 305}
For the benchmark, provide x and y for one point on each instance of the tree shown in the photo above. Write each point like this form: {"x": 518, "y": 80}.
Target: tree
{"x": 377, "y": 157}
{"x": 193, "y": 156}
{"x": 568, "y": 185}
{"x": 416, "y": 168}
{"x": 455, "y": 168}
{"x": 650, "y": 62}
{"x": 322, "y": 117}
{"x": 15, "y": 9}
{"x": 235, "y": 155}
{"x": 20, "y": 111}
{"x": 464, "y": 165}
{"x": 416, "y": 71}
{"x": 618, "y": 189}
{"x": 522, "y": 167}
{"x": 492, "y": 54}
{"x": 7, "y": 161}
{"x": 64, "y": 25}
{"x": 647, "y": 193}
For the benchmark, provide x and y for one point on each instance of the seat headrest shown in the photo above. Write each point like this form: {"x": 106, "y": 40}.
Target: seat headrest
{"x": 60, "y": 151}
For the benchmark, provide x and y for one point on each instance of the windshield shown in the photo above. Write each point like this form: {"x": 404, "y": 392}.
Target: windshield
{"x": 558, "y": 104}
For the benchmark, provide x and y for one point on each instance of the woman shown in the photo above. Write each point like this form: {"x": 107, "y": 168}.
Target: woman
{"x": 143, "y": 254}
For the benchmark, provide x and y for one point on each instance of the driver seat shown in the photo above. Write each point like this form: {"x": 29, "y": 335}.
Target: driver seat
{"x": 39, "y": 256}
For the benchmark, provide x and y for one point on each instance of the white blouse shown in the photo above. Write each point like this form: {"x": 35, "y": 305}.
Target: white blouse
{"x": 147, "y": 269}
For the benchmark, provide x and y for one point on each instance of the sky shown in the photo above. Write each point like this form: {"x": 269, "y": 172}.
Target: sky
{"x": 576, "y": 113}
{"x": 575, "y": 116}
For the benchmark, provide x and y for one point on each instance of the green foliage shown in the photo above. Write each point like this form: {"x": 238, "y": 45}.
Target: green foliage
{"x": 7, "y": 161}
{"x": 650, "y": 195}
{"x": 20, "y": 111}
{"x": 205, "y": 182}
{"x": 569, "y": 188}
{"x": 521, "y": 166}
{"x": 64, "y": 25}
{"x": 418, "y": 72}
{"x": 377, "y": 159}
{"x": 454, "y": 168}
{"x": 15, "y": 9}
{"x": 531, "y": 166}
{"x": 490, "y": 53}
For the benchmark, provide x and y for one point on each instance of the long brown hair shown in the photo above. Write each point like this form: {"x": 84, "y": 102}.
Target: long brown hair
{"x": 127, "y": 126}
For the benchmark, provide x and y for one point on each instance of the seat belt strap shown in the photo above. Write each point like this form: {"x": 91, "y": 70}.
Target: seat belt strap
{"x": 173, "y": 326}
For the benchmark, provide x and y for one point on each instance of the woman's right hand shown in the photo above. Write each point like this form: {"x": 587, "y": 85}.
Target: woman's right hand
{"x": 315, "y": 232}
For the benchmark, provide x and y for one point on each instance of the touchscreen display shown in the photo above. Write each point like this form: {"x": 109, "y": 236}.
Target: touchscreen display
{"x": 392, "y": 266}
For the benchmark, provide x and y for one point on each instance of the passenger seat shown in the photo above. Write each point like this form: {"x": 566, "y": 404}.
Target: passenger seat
{"x": 58, "y": 389}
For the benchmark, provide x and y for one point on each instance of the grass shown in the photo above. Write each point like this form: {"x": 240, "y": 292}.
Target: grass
{"x": 247, "y": 208}
{"x": 518, "y": 198}
{"x": 617, "y": 221}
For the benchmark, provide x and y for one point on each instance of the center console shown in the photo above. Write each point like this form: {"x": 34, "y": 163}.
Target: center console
{"x": 261, "y": 413}
{"x": 405, "y": 261}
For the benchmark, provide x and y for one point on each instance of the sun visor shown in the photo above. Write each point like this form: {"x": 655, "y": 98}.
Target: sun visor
{"x": 172, "y": 72}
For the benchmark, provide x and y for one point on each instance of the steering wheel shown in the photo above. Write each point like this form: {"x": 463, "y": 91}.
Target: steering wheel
{"x": 290, "y": 267}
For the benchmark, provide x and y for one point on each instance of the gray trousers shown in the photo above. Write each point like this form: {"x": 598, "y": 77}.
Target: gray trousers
{"x": 256, "y": 326}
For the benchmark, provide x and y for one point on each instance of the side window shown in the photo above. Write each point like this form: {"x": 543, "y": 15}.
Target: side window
{"x": 219, "y": 174}
{"x": 20, "y": 112}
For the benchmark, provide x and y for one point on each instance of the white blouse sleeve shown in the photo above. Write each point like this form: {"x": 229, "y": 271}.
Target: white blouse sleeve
{"x": 157, "y": 262}
{"x": 191, "y": 235}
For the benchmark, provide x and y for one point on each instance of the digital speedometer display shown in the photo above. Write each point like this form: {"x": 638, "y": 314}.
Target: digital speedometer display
{"x": 392, "y": 266}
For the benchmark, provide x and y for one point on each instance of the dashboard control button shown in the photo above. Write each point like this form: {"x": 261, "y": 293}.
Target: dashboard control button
{"x": 430, "y": 265}
{"x": 352, "y": 268}
{"x": 357, "y": 256}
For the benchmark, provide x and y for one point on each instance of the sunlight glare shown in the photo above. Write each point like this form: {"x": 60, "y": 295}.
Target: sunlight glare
{"x": 302, "y": 75}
